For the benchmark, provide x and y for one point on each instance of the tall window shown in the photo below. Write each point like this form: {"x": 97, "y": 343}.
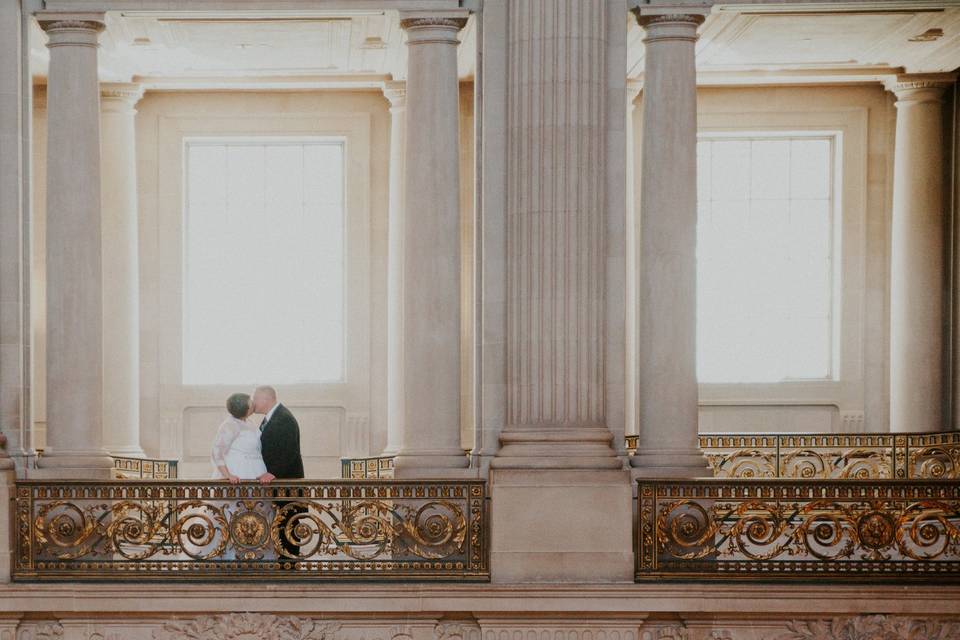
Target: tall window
{"x": 766, "y": 257}
{"x": 263, "y": 294}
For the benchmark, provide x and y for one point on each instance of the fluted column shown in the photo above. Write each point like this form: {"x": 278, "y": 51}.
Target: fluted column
{"x": 556, "y": 237}
{"x": 666, "y": 318}
{"x": 74, "y": 269}
{"x": 396, "y": 93}
{"x": 431, "y": 249}
{"x": 916, "y": 256}
{"x": 121, "y": 283}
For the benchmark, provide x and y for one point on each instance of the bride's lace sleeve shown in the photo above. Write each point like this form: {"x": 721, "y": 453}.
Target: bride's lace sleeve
{"x": 226, "y": 434}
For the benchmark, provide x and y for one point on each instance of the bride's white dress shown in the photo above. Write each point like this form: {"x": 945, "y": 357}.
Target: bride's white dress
{"x": 237, "y": 447}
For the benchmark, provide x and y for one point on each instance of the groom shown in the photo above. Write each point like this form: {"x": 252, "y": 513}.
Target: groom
{"x": 279, "y": 437}
{"x": 280, "y": 448}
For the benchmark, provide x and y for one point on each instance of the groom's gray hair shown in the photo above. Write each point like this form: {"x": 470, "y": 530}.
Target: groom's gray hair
{"x": 267, "y": 389}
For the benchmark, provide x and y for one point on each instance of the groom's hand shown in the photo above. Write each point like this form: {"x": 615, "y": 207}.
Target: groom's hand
{"x": 267, "y": 478}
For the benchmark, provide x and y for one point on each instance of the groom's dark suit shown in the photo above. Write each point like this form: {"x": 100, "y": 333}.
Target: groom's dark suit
{"x": 280, "y": 445}
{"x": 280, "y": 448}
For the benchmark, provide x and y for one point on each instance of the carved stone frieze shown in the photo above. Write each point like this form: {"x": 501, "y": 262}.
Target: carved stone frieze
{"x": 456, "y": 631}
{"x": 871, "y": 628}
{"x": 247, "y": 626}
{"x": 45, "y": 631}
{"x": 666, "y": 632}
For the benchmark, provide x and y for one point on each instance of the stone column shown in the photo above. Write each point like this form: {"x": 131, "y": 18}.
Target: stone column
{"x": 556, "y": 238}
{"x": 74, "y": 270}
{"x": 666, "y": 318}
{"x": 121, "y": 283}
{"x": 15, "y": 420}
{"x": 565, "y": 268}
{"x": 916, "y": 256}
{"x": 396, "y": 93}
{"x": 431, "y": 249}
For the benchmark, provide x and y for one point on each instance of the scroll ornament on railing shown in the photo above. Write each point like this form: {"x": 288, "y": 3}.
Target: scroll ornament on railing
{"x": 768, "y": 529}
{"x": 322, "y": 530}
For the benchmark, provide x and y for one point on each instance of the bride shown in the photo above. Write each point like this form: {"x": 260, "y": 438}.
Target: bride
{"x": 236, "y": 449}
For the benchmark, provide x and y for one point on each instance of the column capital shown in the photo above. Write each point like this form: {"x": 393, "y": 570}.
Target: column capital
{"x": 77, "y": 29}
{"x": 396, "y": 92}
{"x": 437, "y": 27}
{"x": 919, "y": 87}
{"x": 119, "y": 97}
{"x": 658, "y": 20}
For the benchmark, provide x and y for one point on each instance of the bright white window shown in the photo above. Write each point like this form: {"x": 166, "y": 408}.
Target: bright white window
{"x": 766, "y": 256}
{"x": 263, "y": 294}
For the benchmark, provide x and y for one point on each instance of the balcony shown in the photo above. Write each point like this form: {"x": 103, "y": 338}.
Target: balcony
{"x": 835, "y": 507}
{"x": 190, "y": 530}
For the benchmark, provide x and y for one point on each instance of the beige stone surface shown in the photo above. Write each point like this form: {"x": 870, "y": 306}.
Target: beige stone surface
{"x": 561, "y": 526}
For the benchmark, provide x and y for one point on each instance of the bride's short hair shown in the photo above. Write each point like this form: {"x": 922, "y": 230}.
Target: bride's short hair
{"x": 238, "y": 405}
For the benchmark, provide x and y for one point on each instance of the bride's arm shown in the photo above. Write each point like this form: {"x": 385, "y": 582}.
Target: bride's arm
{"x": 226, "y": 434}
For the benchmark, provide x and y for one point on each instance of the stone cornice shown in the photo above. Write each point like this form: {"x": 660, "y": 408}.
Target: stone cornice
{"x": 211, "y": 598}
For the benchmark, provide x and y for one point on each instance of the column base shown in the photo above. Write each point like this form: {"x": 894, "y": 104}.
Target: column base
{"x": 669, "y": 463}
{"x": 74, "y": 465}
{"x": 556, "y": 448}
{"x": 432, "y": 464}
{"x": 561, "y": 526}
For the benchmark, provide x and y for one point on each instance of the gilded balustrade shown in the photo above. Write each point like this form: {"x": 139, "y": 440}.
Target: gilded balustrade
{"x": 828, "y": 456}
{"x": 834, "y": 456}
{"x": 143, "y": 469}
{"x": 366, "y": 468}
{"x": 873, "y": 530}
{"x": 196, "y": 530}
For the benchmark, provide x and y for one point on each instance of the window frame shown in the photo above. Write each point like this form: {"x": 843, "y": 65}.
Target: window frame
{"x": 247, "y": 140}
{"x": 343, "y": 407}
{"x": 844, "y": 396}
{"x": 835, "y": 139}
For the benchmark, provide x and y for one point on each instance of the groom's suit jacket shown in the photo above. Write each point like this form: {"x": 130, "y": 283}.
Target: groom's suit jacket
{"x": 280, "y": 445}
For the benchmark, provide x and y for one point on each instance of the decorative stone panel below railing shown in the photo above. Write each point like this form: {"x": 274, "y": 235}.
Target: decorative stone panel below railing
{"x": 323, "y": 530}
{"x": 875, "y": 530}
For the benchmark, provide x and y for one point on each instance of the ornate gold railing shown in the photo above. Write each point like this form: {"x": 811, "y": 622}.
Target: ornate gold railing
{"x": 195, "y": 530}
{"x": 371, "y": 468}
{"x": 366, "y": 468}
{"x": 773, "y": 529}
{"x": 143, "y": 469}
{"x": 834, "y": 456}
